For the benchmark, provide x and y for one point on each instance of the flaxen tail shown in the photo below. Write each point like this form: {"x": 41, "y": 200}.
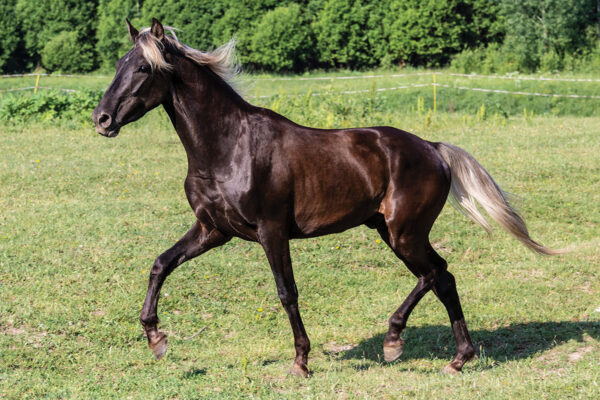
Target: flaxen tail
{"x": 470, "y": 182}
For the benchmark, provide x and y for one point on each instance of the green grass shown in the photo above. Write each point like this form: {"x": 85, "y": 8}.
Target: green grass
{"x": 449, "y": 99}
{"x": 84, "y": 217}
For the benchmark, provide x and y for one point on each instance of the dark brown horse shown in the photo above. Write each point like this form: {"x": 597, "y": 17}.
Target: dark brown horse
{"x": 258, "y": 176}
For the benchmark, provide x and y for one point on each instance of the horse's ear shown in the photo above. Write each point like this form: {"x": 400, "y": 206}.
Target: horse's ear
{"x": 157, "y": 29}
{"x": 133, "y": 33}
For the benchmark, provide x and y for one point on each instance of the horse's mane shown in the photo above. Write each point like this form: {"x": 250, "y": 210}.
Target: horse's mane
{"x": 222, "y": 61}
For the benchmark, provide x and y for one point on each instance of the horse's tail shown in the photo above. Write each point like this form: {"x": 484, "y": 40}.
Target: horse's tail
{"x": 470, "y": 182}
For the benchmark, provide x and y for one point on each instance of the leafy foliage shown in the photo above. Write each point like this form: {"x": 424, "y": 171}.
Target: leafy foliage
{"x": 65, "y": 53}
{"x": 9, "y": 35}
{"x": 40, "y": 22}
{"x": 282, "y": 41}
{"x": 547, "y": 29}
{"x": 193, "y": 19}
{"x": 426, "y": 33}
{"x": 50, "y": 105}
{"x": 112, "y": 39}
{"x": 339, "y": 28}
{"x": 297, "y": 35}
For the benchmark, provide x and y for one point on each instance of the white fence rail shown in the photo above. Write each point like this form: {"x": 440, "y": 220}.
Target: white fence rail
{"x": 351, "y": 77}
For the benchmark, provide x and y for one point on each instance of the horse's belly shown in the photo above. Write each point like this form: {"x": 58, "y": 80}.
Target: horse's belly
{"x": 332, "y": 212}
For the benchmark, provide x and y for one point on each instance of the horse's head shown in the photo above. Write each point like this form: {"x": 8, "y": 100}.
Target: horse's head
{"x": 140, "y": 84}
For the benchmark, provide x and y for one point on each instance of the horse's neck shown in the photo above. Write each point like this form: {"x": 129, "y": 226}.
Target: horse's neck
{"x": 209, "y": 119}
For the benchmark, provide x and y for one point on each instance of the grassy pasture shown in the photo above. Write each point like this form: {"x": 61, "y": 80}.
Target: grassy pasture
{"x": 84, "y": 217}
{"x": 450, "y": 97}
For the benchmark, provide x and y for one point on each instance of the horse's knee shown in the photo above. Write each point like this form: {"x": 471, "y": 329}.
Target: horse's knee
{"x": 161, "y": 266}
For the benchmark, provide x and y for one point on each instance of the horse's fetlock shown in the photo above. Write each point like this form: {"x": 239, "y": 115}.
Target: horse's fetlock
{"x": 397, "y": 322}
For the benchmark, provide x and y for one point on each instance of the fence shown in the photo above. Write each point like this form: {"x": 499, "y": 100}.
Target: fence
{"x": 433, "y": 84}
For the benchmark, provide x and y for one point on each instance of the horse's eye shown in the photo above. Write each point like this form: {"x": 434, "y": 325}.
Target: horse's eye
{"x": 144, "y": 68}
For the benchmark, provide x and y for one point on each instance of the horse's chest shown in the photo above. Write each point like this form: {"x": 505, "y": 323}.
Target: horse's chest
{"x": 223, "y": 207}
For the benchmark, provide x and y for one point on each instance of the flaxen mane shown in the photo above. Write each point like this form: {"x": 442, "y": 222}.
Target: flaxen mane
{"x": 222, "y": 61}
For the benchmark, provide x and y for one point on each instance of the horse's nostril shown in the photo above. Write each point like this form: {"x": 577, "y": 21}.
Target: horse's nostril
{"x": 104, "y": 120}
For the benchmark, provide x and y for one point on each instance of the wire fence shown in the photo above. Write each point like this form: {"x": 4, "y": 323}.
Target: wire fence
{"x": 360, "y": 77}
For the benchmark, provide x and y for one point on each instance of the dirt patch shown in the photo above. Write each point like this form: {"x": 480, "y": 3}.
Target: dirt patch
{"x": 334, "y": 348}
{"x": 11, "y": 330}
{"x": 443, "y": 246}
{"x": 579, "y": 353}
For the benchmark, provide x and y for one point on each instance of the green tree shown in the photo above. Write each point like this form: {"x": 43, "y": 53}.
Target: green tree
{"x": 42, "y": 21}
{"x": 65, "y": 53}
{"x": 239, "y": 20}
{"x": 193, "y": 19}
{"x": 112, "y": 37}
{"x": 9, "y": 36}
{"x": 340, "y": 28}
{"x": 282, "y": 40}
{"x": 547, "y": 29}
{"x": 426, "y": 32}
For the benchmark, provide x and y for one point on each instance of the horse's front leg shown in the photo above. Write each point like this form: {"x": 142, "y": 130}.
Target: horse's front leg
{"x": 196, "y": 241}
{"x": 276, "y": 246}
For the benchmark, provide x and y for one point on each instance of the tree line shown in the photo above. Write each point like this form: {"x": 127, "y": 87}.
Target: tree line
{"x": 285, "y": 35}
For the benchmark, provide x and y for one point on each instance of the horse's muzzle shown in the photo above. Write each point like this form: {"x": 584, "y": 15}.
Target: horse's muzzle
{"x": 105, "y": 124}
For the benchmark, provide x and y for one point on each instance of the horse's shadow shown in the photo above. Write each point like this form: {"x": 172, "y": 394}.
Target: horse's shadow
{"x": 513, "y": 342}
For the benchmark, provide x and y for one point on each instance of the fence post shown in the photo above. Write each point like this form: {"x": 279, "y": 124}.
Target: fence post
{"x": 434, "y": 94}
{"x": 37, "y": 81}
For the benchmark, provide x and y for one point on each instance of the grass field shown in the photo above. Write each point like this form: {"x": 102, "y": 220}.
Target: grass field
{"x": 84, "y": 217}
{"x": 407, "y": 85}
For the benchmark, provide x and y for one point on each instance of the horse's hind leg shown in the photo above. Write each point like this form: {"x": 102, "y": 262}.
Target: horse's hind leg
{"x": 196, "y": 241}
{"x": 445, "y": 290}
{"x": 430, "y": 269}
{"x": 426, "y": 265}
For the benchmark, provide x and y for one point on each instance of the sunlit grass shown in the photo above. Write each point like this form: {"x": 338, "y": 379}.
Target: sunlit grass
{"x": 84, "y": 217}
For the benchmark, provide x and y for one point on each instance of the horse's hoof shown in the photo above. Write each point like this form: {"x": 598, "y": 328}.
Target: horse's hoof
{"x": 451, "y": 370}
{"x": 393, "y": 352}
{"x": 299, "y": 370}
{"x": 159, "y": 347}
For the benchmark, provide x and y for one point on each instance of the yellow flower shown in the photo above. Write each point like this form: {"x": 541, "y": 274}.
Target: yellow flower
{"x": 337, "y": 247}
{"x": 156, "y": 173}
{"x": 378, "y": 241}
{"x": 37, "y": 160}
{"x": 259, "y": 310}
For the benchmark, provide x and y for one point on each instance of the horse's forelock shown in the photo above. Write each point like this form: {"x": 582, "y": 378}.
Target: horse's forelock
{"x": 152, "y": 50}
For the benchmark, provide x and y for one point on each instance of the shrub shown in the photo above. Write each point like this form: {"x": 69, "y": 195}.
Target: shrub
{"x": 50, "y": 105}
{"x": 282, "y": 40}
{"x": 551, "y": 62}
{"x": 490, "y": 60}
{"x": 340, "y": 28}
{"x": 426, "y": 32}
{"x": 65, "y": 52}
{"x": 468, "y": 61}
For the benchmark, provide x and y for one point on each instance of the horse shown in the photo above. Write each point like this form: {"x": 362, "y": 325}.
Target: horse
{"x": 256, "y": 175}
